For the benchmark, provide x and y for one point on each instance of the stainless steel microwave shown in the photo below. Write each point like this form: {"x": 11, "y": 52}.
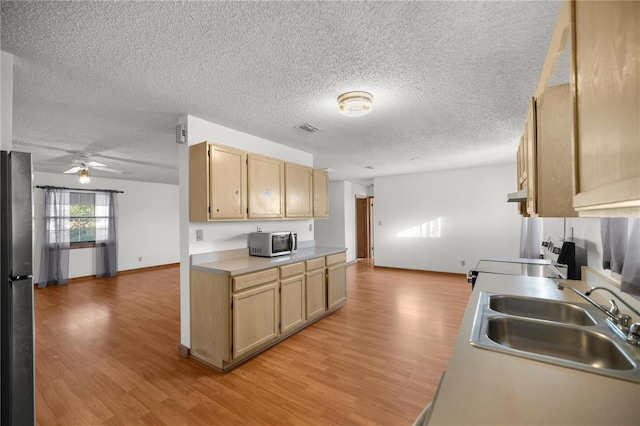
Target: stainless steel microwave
{"x": 270, "y": 244}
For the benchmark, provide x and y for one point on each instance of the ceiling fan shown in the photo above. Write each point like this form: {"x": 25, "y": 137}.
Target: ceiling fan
{"x": 84, "y": 162}
{"x": 83, "y": 166}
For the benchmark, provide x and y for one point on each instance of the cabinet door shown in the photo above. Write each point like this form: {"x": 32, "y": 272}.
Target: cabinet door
{"x": 265, "y": 186}
{"x": 530, "y": 141}
{"x": 255, "y": 318}
{"x": 228, "y": 183}
{"x": 298, "y": 189}
{"x": 336, "y": 284}
{"x": 316, "y": 297}
{"x": 606, "y": 88}
{"x": 320, "y": 193}
{"x": 553, "y": 149}
{"x": 292, "y": 303}
{"x": 522, "y": 173}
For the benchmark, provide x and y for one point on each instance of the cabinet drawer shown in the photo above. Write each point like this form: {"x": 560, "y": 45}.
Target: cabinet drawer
{"x": 249, "y": 280}
{"x": 290, "y": 270}
{"x": 315, "y": 264}
{"x": 336, "y": 258}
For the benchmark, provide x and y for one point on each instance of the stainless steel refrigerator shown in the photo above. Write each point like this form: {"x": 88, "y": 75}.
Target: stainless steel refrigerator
{"x": 16, "y": 289}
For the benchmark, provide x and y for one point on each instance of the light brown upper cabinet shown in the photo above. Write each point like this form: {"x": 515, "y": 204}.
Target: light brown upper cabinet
{"x": 529, "y": 136}
{"x": 545, "y": 156}
{"x": 522, "y": 173}
{"x": 605, "y": 84}
{"x": 320, "y": 194}
{"x": 299, "y": 191}
{"x": 553, "y": 154}
{"x": 265, "y": 187}
{"x": 217, "y": 183}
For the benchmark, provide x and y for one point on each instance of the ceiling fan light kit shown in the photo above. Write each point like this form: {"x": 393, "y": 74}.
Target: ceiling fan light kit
{"x": 84, "y": 176}
{"x": 355, "y": 104}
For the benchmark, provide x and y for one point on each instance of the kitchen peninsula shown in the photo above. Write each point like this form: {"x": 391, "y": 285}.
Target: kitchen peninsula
{"x": 241, "y": 304}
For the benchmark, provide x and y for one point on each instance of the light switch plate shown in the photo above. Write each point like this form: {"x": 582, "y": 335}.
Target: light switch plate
{"x": 199, "y": 236}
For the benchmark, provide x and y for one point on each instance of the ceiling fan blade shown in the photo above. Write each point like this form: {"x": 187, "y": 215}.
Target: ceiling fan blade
{"x": 73, "y": 170}
{"x": 95, "y": 164}
{"x": 109, "y": 170}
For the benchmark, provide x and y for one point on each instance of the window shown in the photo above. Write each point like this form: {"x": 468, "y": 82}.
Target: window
{"x": 88, "y": 218}
{"x": 82, "y": 220}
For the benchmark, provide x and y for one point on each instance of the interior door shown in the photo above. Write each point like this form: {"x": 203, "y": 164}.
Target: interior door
{"x": 363, "y": 227}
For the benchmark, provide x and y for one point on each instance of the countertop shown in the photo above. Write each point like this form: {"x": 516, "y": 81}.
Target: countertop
{"x": 483, "y": 387}
{"x": 243, "y": 264}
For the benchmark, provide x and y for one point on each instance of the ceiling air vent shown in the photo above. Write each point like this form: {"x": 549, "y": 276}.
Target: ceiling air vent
{"x": 307, "y": 127}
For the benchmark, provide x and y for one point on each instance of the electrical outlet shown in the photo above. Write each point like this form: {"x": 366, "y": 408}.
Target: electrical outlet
{"x": 259, "y": 228}
{"x": 199, "y": 235}
{"x": 462, "y": 263}
{"x": 311, "y": 227}
{"x": 140, "y": 259}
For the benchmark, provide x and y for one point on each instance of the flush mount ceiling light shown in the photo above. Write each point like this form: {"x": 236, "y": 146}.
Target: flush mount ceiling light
{"x": 85, "y": 176}
{"x": 355, "y": 104}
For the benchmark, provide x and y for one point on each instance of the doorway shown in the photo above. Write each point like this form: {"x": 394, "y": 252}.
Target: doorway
{"x": 364, "y": 236}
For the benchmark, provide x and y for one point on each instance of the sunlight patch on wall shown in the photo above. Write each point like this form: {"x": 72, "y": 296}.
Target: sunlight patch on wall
{"x": 431, "y": 229}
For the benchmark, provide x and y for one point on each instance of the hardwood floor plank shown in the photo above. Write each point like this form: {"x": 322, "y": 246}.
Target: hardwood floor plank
{"x": 106, "y": 354}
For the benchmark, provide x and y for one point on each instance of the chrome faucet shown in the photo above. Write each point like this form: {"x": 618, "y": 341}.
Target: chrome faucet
{"x": 613, "y": 316}
{"x": 621, "y": 322}
{"x": 592, "y": 289}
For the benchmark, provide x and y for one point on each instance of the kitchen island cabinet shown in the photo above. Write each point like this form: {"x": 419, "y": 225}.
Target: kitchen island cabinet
{"x": 255, "y": 311}
{"x": 315, "y": 300}
{"x": 242, "y": 305}
{"x": 292, "y": 295}
{"x": 336, "y": 279}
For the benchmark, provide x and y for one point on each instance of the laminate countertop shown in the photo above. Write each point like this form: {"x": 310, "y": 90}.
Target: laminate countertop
{"x": 484, "y": 387}
{"x": 243, "y": 263}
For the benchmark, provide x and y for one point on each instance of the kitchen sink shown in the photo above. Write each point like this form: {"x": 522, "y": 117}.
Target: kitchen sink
{"x": 567, "y": 334}
{"x": 569, "y": 343}
{"x": 544, "y": 309}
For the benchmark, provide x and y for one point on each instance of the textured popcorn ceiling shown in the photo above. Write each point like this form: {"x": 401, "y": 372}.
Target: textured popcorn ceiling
{"x": 451, "y": 81}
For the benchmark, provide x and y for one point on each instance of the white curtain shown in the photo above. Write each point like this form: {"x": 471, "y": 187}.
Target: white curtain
{"x": 621, "y": 250}
{"x": 530, "y": 240}
{"x": 106, "y": 234}
{"x": 54, "y": 261}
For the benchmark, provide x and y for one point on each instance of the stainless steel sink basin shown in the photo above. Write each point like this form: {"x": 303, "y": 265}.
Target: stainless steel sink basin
{"x": 550, "y": 310}
{"x": 569, "y": 343}
{"x": 567, "y": 334}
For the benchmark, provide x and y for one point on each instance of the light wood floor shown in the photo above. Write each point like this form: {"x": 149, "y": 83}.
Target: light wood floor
{"x": 106, "y": 353}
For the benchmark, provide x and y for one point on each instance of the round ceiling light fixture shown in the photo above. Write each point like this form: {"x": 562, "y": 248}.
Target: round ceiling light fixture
{"x": 355, "y": 104}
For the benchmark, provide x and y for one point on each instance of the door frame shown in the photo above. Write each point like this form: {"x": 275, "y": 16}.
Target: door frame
{"x": 364, "y": 230}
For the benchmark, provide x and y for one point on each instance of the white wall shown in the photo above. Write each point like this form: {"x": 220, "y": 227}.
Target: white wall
{"x": 148, "y": 223}
{"x": 225, "y": 235}
{"x": 340, "y": 229}
{"x": 476, "y": 221}
{"x": 331, "y": 232}
{"x": 6, "y": 101}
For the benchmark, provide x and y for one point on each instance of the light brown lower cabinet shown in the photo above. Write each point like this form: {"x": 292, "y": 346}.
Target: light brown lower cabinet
{"x": 255, "y": 318}
{"x": 292, "y": 284}
{"x": 233, "y": 318}
{"x": 316, "y": 288}
{"x": 336, "y": 279}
